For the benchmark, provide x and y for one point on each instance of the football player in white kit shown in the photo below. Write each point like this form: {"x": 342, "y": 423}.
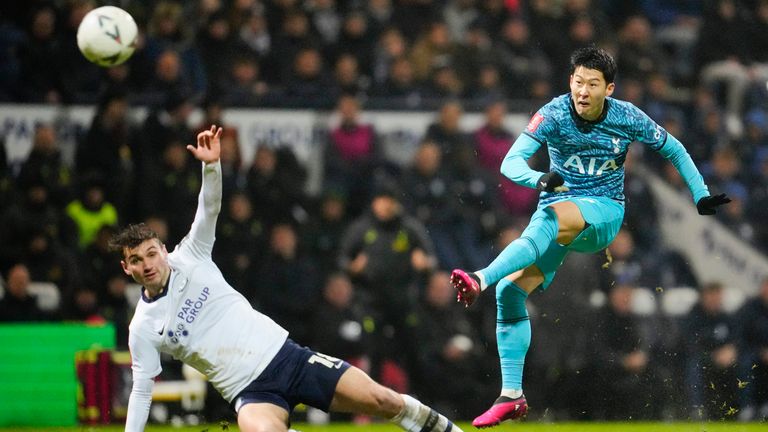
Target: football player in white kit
{"x": 188, "y": 310}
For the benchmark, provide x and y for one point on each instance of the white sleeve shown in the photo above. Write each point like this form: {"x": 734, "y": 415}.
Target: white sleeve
{"x": 138, "y": 405}
{"x": 199, "y": 240}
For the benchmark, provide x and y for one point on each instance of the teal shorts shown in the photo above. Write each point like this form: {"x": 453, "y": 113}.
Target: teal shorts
{"x": 604, "y": 216}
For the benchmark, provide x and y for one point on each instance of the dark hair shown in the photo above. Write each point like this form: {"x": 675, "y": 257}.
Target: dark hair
{"x": 596, "y": 58}
{"x": 131, "y": 236}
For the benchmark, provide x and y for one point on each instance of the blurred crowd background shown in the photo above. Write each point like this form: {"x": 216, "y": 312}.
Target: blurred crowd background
{"x": 360, "y": 270}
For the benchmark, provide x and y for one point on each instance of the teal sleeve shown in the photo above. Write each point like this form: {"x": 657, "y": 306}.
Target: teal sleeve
{"x": 674, "y": 151}
{"x": 515, "y": 164}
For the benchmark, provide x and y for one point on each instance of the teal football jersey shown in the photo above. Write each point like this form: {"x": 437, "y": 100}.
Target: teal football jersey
{"x": 590, "y": 155}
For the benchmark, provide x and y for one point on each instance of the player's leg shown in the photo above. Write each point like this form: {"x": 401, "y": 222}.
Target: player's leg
{"x": 513, "y": 337}
{"x": 358, "y": 393}
{"x": 262, "y": 417}
{"x": 560, "y": 222}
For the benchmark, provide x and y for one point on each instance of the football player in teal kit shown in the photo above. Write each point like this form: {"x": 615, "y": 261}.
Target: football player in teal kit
{"x": 581, "y": 207}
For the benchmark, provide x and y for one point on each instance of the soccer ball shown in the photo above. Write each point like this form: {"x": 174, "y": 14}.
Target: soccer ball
{"x": 107, "y": 36}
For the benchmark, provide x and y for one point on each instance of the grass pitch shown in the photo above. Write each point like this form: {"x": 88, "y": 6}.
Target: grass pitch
{"x": 507, "y": 427}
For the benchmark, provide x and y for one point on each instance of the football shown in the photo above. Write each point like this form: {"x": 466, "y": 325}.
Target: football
{"x": 107, "y": 36}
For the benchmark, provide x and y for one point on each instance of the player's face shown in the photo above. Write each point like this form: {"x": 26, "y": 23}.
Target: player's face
{"x": 589, "y": 90}
{"x": 147, "y": 264}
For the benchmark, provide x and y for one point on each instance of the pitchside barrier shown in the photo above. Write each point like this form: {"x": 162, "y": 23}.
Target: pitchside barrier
{"x": 39, "y": 383}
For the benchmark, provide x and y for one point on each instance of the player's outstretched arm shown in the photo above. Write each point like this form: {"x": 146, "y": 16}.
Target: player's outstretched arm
{"x": 203, "y": 232}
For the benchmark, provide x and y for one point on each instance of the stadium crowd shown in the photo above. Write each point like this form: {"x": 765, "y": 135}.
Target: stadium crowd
{"x": 359, "y": 271}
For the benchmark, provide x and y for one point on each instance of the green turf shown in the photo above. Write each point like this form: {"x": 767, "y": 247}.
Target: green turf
{"x": 512, "y": 427}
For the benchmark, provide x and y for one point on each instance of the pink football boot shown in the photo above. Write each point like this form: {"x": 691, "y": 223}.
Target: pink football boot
{"x": 467, "y": 288}
{"x": 502, "y": 410}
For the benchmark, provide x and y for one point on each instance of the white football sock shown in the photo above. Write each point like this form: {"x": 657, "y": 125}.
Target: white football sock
{"x": 483, "y": 285}
{"x": 511, "y": 393}
{"x": 416, "y": 417}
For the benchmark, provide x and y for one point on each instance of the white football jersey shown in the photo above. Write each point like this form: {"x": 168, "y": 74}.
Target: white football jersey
{"x": 200, "y": 319}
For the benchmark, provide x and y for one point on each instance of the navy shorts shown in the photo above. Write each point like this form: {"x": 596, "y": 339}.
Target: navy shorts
{"x": 296, "y": 375}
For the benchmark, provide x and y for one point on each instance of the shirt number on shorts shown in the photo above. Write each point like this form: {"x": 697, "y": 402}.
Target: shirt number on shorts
{"x": 325, "y": 360}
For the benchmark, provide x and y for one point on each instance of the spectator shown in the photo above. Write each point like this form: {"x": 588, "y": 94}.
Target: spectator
{"x": 162, "y": 127}
{"x": 757, "y": 204}
{"x": 18, "y": 304}
{"x": 487, "y": 86}
{"x": 449, "y": 348}
{"x": 721, "y": 57}
{"x": 85, "y": 307}
{"x": 288, "y": 281}
{"x": 255, "y": 34}
{"x": 40, "y": 60}
{"x": 45, "y": 164}
{"x": 347, "y": 77}
{"x": 443, "y": 83}
{"x": 752, "y": 323}
{"x": 308, "y": 83}
{"x": 492, "y": 142}
{"x": 458, "y": 16}
{"x": 433, "y": 48}
{"x": 324, "y": 231}
{"x": 325, "y": 19}
{"x": 384, "y": 252}
{"x": 736, "y": 217}
{"x": 638, "y": 56}
{"x": 105, "y": 150}
{"x": 357, "y": 40}
{"x": 520, "y": 59}
{"x": 428, "y": 198}
{"x": 677, "y": 27}
{"x": 80, "y": 78}
{"x": 711, "y": 354}
{"x": 707, "y": 133}
{"x": 621, "y": 363}
{"x": 178, "y": 188}
{"x": 96, "y": 263}
{"x": 244, "y": 86}
{"x": 233, "y": 177}
{"x": 379, "y": 15}
{"x": 391, "y": 45}
{"x": 476, "y": 190}
{"x": 293, "y": 37}
{"x": 275, "y": 183}
{"x": 559, "y": 358}
{"x": 32, "y": 212}
{"x": 755, "y": 134}
{"x": 625, "y": 264}
{"x": 166, "y": 32}
{"x": 446, "y": 131}
{"x": 338, "y": 321}
{"x": 352, "y": 154}
{"x": 47, "y": 261}
{"x": 168, "y": 78}
{"x": 240, "y": 241}
{"x": 113, "y": 305}
{"x": 640, "y": 216}
{"x": 401, "y": 84}
{"x": 217, "y": 46}
{"x": 90, "y": 211}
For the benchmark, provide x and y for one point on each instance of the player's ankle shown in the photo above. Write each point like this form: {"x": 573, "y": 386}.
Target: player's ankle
{"x": 480, "y": 279}
{"x": 512, "y": 393}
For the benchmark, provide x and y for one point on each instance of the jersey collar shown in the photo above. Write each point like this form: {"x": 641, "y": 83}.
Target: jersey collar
{"x": 159, "y": 296}
{"x": 582, "y": 121}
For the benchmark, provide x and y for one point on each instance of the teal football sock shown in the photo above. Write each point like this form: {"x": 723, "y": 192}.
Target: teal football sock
{"x": 513, "y": 332}
{"x": 524, "y": 251}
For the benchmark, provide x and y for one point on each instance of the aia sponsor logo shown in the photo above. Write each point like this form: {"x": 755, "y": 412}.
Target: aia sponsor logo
{"x": 534, "y": 123}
